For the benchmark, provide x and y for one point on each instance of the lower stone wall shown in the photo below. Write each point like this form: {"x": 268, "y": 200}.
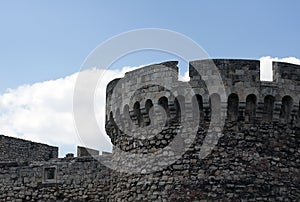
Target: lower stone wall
{"x": 250, "y": 163}
{"x": 75, "y": 179}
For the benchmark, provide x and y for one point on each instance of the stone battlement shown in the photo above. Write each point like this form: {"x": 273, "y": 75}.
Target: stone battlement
{"x": 254, "y": 156}
{"x": 247, "y": 98}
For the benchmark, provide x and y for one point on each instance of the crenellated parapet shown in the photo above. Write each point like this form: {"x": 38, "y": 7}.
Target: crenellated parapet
{"x": 248, "y": 99}
{"x": 276, "y": 100}
{"x": 253, "y": 156}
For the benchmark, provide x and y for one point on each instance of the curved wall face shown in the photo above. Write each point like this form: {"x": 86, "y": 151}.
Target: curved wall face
{"x": 257, "y": 155}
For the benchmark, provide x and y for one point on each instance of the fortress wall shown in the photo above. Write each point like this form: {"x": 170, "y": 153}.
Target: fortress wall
{"x": 73, "y": 179}
{"x": 256, "y": 157}
{"x": 258, "y": 162}
{"x": 14, "y": 149}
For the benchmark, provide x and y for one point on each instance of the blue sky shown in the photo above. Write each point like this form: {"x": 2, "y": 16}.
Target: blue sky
{"x": 42, "y": 40}
{"x": 44, "y": 43}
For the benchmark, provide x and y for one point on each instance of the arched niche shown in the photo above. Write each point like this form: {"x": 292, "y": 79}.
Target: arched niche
{"x": 197, "y": 104}
{"x": 137, "y": 113}
{"x": 112, "y": 121}
{"x": 179, "y": 103}
{"x": 126, "y": 116}
{"x": 298, "y": 115}
{"x": 111, "y": 117}
{"x": 286, "y": 108}
{"x": 118, "y": 119}
{"x": 148, "y": 106}
{"x": 215, "y": 107}
{"x": 233, "y": 107}
{"x": 250, "y": 110}
{"x": 164, "y": 103}
{"x": 268, "y": 108}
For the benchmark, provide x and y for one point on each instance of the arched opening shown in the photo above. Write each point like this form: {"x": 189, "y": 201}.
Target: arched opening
{"x": 233, "y": 107}
{"x": 177, "y": 109}
{"x": 197, "y": 104}
{"x": 215, "y": 106}
{"x": 137, "y": 114}
{"x": 298, "y": 115}
{"x": 180, "y": 107}
{"x": 111, "y": 117}
{"x": 148, "y": 106}
{"x": 112, "y": 122}
{"x": 250, "y": 110}
{"x": 268, "y": 108}
{"x": 164, "y": 103}
{"x": 126, "y": 116}
{"x": 118, "y": 119}
{"x": 286, "y": 108}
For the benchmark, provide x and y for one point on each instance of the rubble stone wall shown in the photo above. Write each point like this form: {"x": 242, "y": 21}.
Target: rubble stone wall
{"x": 257, "y": 155}
{"x": 19, "y": 150}
{"x": 73, "y": 179}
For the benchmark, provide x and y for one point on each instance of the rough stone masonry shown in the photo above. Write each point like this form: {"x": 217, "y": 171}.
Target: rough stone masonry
{"x": 256, "y": 156}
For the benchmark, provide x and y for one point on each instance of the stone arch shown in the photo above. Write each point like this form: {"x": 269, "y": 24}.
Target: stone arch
{"x": 111, "y": 117}
{"x": 148, "y": 106}
{"x": 164, "y": 103}
{"x": 298, "y": 115}
{"x": 268, "y": 108}
{"x": 177, "y": 109}
{"x": 215, "y": 107}
{"x": 250, "y": 110}
{"x": 118, "y": 119}
{"x": 137, "y": 114}
{"x": 286, "y": 108}
{"x": 233, "y": 107}
{"x": 126, "y": 116}
{"x": 197, "y": 104}
{"x": 179, "y": 103}
{"x": 112, "y": 122}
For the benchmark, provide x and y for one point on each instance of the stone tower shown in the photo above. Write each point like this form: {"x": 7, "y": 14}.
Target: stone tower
{"x": 240, "y": 145}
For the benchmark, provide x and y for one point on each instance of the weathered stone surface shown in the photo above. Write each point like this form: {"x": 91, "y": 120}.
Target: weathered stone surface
{"x": 256, "y": 157}
{"x": 14, "y": 149}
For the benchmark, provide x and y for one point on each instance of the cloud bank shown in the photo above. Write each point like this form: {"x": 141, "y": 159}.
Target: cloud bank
{"x": 43, "y": 112}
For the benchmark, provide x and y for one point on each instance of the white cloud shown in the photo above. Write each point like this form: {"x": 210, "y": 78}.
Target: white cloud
{"x": 266, "y": 73}
{"x": 43, "y": 112}
{"x": 185, "y": 77}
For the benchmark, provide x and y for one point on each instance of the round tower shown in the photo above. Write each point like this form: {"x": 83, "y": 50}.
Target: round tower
{"x": 197, "y": 142}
